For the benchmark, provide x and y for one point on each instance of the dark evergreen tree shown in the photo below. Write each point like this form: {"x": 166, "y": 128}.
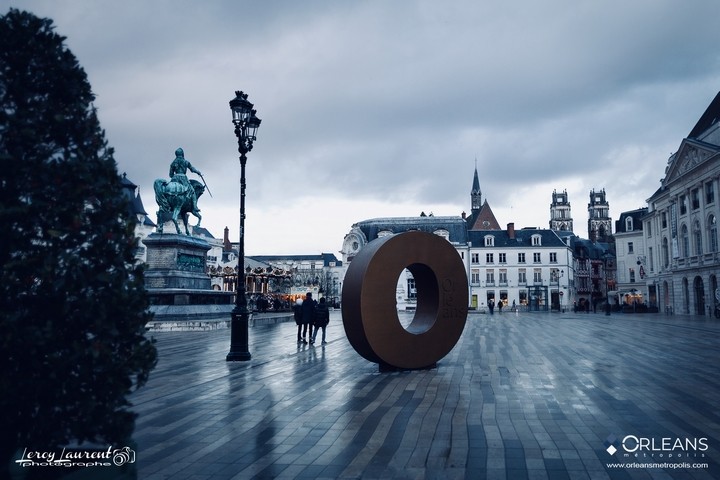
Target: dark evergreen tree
{"x": 73, "y": 306}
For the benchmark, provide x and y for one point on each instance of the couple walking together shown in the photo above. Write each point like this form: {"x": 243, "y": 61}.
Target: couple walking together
{"x": 308, "y": 314}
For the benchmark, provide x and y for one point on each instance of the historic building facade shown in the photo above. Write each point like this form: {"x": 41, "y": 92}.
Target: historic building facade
{"x": 527, "y": 268}
{"x": 630, "y": 251}
{"x": 144, "y": 226}
{"x": 680, "y": 229}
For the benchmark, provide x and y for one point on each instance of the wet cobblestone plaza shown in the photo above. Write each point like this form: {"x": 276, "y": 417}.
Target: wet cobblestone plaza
{"x": 520, "y": 396}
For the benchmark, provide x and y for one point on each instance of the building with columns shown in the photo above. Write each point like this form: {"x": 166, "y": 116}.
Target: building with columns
{"x": 680, "y": 229}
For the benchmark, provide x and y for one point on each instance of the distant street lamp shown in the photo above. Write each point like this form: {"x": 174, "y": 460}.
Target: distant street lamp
{"x": 246, "y": 125}
{"x": 606, "y": 259}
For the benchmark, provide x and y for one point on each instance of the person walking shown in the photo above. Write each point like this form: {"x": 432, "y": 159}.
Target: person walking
{"x": 322, "y": 318}
{"x": 308, "y": 316}
{"x": 297, "y": 313}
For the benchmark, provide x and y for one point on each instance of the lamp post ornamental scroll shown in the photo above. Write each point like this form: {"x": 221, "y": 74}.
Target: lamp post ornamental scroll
{"x": 246, "y": 125}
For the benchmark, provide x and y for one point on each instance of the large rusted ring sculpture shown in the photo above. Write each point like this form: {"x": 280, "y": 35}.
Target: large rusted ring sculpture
{"x": 369, "y": 310}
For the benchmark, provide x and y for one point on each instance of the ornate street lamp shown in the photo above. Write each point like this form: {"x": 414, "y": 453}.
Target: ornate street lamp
{"x": 246, "y": 125}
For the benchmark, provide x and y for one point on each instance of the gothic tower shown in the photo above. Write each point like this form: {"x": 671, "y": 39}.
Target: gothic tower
{"x": 599, "y": 222}
{"x": 560, "y": 216}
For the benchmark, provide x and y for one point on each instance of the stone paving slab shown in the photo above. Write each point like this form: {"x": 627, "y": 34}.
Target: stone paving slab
{"x": 534, "y": 396}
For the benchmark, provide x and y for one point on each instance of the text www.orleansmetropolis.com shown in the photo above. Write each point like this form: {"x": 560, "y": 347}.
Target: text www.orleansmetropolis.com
{"x": 670, "y": 465}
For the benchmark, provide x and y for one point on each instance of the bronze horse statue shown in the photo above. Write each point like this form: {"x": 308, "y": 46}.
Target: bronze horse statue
{"x": 176, "y": 200}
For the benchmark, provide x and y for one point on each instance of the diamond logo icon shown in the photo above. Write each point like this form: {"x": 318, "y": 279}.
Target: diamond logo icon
{"x": 611, "y": 443}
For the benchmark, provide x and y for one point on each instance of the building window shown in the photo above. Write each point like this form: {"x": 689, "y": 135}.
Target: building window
{"x": 685, "y": 239}
{"x": 709, "y": 192}
{"x": 537, "y": 276}
{"x": 489, "y": 258}
{"x": 521, "y": 258}
{"x": 536, "y": 257}
{"x": 536, "y": 240}
{"x": 475, "y": 258}
{"x": 697, "y": 233}
{"x": 695, "y": 198}
{"x": 683, "y": 204}
{"x": 553, "y": 257}
{"x": 648, "y": 227}
{"x": 502, "y": 277}
{"x": 502, "y": 257}
{"x": 490, "y": 277}
{"x": 475, "y": 276}
{"x": 630, "y": 247}
{"x": 629, "y": 224}
{"x": 665, "y": 252}
{"x": 412, "y": 290}
{"x": 663, "y": 219}
{"x": 443, "y": 233}
{"x": 632, "y": 275}
{"x": 522, "y": 276}
{"x": 712, "y": 232}
{"x": 490, "y": 241}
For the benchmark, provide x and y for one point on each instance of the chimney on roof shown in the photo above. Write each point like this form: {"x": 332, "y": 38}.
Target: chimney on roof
{"x": 464, "y": 215}
{"x": 226, "y": 240}
{"x": 511, "y": 231}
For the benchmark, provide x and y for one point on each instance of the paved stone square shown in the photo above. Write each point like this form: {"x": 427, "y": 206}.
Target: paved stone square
{"x": 524, "y": 395}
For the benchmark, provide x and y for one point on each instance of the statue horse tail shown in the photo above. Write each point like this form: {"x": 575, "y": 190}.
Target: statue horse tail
{"x": 160, "y": 196}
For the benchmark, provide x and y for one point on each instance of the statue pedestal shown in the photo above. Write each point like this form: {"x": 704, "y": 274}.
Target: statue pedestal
{"x": 176, "y": 261}
{"x": 181, "y": 297}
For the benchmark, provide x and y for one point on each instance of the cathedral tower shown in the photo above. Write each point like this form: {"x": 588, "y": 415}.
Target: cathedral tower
{"x": 599, "y": 222}
{"x": 560, "y": 216}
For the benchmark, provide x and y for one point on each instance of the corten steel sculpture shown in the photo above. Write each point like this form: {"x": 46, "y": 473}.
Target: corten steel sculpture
{"x": 369, "y": 310}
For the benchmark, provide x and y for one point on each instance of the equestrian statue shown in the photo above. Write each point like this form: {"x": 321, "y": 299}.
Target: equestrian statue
{"x": 178, "y": 196}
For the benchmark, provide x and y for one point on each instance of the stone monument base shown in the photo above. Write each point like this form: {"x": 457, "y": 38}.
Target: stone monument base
{"x": 181, "y": 297}
{"x": 176, "y": 261}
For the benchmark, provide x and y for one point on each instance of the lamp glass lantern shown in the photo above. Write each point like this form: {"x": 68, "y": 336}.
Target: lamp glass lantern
{"x": 253, "y": 124}
{"x": 241, "y": 108}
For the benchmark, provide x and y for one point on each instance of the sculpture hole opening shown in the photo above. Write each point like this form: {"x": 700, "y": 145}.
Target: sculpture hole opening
{"x": 421, "y": 285}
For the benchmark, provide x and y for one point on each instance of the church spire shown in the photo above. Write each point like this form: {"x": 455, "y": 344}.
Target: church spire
{"x": 475, "y": 193}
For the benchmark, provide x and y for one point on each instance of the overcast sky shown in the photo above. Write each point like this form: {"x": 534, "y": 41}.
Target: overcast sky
{"x": 382, "y": 108}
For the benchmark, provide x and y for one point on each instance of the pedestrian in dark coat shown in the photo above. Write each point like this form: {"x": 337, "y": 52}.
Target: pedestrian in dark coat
{"x": 297, "y": 313}
{"x": 322, "y": 318}
{"x": 308, "y": 316}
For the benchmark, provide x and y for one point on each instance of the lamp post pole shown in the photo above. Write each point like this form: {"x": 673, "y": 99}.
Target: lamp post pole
{"x": 246, "y": 125}
{"x": 607, "y": 257}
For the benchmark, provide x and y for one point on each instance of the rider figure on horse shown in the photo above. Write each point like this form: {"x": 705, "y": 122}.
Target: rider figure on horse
{"x": 178, "y": 173}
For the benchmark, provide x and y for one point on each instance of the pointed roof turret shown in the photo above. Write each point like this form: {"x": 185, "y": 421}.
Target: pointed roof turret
{"x": 476, "y": 184}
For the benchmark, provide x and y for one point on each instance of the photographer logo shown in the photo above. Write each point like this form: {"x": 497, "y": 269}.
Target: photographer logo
{"x": 77, "y": 458}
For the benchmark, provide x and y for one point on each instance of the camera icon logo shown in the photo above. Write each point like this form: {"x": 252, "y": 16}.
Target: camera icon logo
{"x": 124, "y": 455}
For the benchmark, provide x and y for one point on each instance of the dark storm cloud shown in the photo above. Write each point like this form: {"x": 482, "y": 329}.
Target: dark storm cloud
{"x": 392, "y": 102}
